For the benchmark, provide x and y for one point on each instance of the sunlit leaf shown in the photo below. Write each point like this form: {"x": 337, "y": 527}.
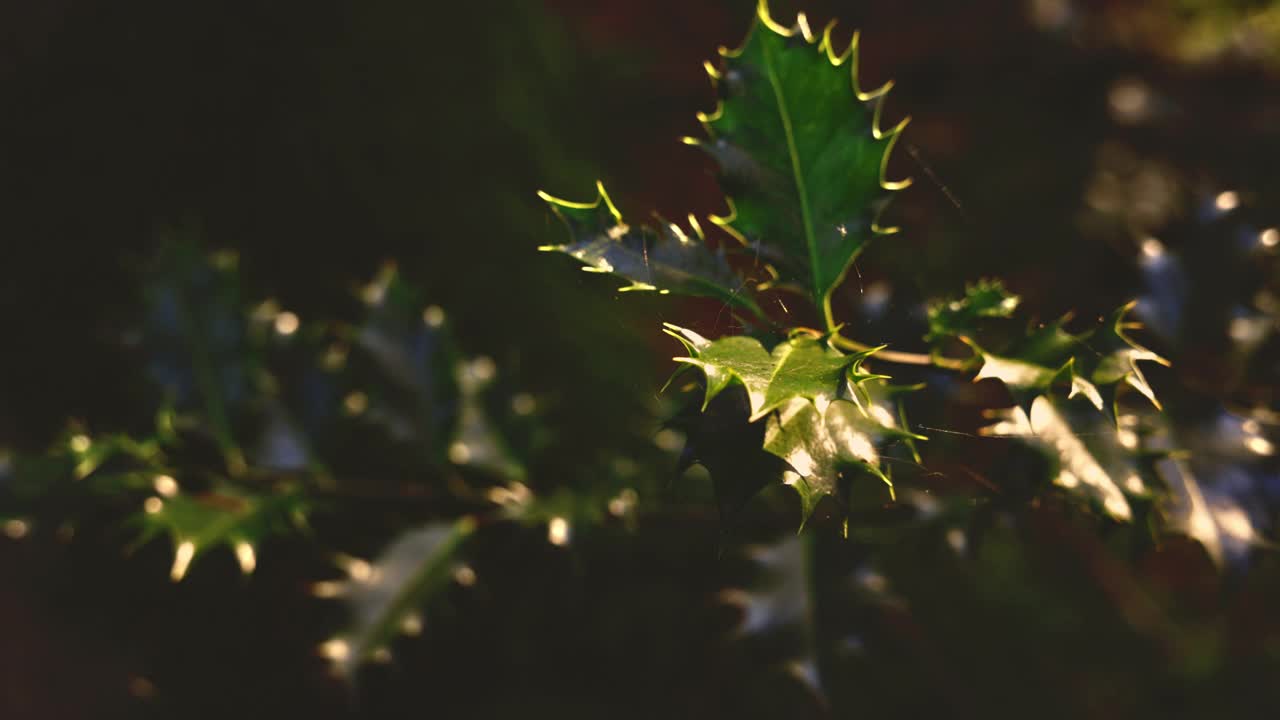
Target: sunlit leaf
{"x": 660, "y": 258}
{"x": 1092, "y": 364}
{"x": 1091, "y": 463}
{"x": 800, "y": 149}
{"x": 801, "y": 367}
{"x": 820, "y": 446}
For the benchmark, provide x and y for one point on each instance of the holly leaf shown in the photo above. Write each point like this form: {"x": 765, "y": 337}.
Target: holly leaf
{"x": 1116, "y": 356}
{"x": 801, "y": 152}
{"x": 1093, "y": 364}
{"x": 721, "y": 439}
{"x": 1216, "y": 520}
{"x": 807, "y": 368}
{"x": 800, "y": 367}
{"x": 387, "y": 596}
{"x": 820, "y": 446}
{"x": 777, "y": 604}
{"x": 1093, "y": 463}
{"x": 222, "y": 516}
{"x": 960, "y": 318}
{"x": 662, "y": 259}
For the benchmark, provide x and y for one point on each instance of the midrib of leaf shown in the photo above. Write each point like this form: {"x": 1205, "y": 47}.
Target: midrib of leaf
{"x": 801, "y": 190}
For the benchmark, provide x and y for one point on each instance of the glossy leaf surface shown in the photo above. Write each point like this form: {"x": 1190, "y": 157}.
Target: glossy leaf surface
{"x": 820, "y": 446}
{"x": 800, "y": 151}
{"x": 661, "y": 258}
{"x": 801, "y": 367}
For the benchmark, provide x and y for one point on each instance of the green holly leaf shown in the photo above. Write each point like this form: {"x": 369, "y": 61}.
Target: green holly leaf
{"x": 807, "y": 368}
{"x": 386, "y": 596}
{"x": 802, "y": 367}
{"x": 801, "y": 152}
{"x": 1027, "y": 379}
{"x": 1093, "y": 364}
{"x": 1090, "y": 456}
{"x": 960, "y": 318}
{"x": 735, "y": 358}
{"x": 662, "y": 259}
{"x": 820, "y": 446}
{"x": 720, "y": 438}
{"x": 221, "y": 516}
{"x": 1116, "y": 356}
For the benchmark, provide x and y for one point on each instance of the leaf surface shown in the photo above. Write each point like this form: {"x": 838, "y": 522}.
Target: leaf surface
{"x": 819, "y": 446}
{"x": 800, "y": 367}
{"x": 801, "y": 152}
{"x": 661, "y": 258}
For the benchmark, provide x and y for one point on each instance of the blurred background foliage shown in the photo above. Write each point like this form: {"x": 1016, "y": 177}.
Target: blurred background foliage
{"x": 1085, "y": 152}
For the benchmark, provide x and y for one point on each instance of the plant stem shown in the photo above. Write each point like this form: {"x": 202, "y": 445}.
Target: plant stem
{"x": 829, "y": 317}
{"x": 893, "y": 356}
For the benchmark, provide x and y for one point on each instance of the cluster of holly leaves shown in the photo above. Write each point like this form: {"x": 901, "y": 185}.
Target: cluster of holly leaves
{"x": 264, "y": 419}
{"x": 802, "y": 159}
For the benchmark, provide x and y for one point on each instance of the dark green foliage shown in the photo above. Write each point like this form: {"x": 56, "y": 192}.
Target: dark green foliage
{"x": 504, "y": 471}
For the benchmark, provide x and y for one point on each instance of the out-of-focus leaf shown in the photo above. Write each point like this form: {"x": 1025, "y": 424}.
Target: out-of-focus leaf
{"x": 1219, "y": 482}
{"x": 477, "y": 442}
{"x": 224, "y": 515}
{"x": 721, "y": 438}
{"x": 412, "y": 390}
{"x": 1097, "y": 469}
{"x": 983, "y": 300}
{"x": 779, "y": 601}
{"x": 195, "y": 339}
{"x": 386, "y": 597}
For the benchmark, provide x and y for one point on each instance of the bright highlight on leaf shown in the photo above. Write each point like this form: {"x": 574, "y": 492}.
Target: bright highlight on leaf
{"x": 1093, "y": 364}
{"x": 659, "y": 258}
{"x": 822, "y": 419}
{"x": 224, "y": 516}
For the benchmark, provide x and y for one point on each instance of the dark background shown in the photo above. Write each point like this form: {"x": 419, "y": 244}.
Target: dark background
{"x": 320, "y": 139}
